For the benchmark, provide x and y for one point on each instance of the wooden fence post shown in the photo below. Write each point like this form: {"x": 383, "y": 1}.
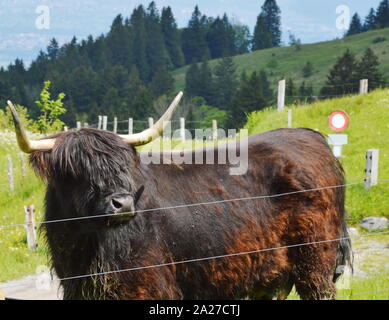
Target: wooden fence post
{"x": 151, "y": 122}
{"x": 78, "y": 125}
{"x": 105, "y": 122}
{"x": 22, "y": 164}
{"x": 363, "y": 86}
{"x": 290, "y": 118}
{"x": 86, "y": 125}
{"x": 100, "y": 122}
{"x": 65, "y": 128}
{"x": 130, "y": 125}
{"x": 371, "y": 171}
{"x": 281, "y": 95}
{"x": 10, "y": 174}
{"x": 182, "y": 129}
{"x": 30, "y": 226}
{"x": 214, "y": 130}
{"x": 115, "y": 125}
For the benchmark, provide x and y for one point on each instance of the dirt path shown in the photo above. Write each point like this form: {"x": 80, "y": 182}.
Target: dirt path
{"x": 28, "y": 288}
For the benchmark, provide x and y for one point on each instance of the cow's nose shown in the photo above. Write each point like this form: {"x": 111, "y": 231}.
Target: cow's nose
{"x": 123, "y": 204}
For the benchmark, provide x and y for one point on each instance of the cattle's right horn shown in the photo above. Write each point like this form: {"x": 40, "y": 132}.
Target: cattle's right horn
{"x": 148, "y": 135}
{"x": 25, "y": 144}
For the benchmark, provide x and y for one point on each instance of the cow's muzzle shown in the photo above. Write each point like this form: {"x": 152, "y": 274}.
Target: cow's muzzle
{"x": 123, "y": 205}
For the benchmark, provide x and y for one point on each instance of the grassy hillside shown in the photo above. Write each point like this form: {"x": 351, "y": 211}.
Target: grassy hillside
{"x": 287, "y": 62}
{"x": 369, "y": 129}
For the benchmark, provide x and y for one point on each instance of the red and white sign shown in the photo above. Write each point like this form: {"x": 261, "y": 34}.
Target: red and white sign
{"x": 338, "y": 121}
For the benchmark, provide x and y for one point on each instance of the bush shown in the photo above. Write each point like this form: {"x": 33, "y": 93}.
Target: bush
{"x": 379, "y": 39}
{"x": 6, "y": 121}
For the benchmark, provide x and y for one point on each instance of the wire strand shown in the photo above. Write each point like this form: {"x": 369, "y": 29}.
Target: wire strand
{"x": 203, "y": 259}
{"x": 185, "y": 205}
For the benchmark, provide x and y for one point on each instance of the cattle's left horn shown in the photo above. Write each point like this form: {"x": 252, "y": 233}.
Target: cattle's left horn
{"x": 155, "y": 131}
{"x": 25, "y": 144}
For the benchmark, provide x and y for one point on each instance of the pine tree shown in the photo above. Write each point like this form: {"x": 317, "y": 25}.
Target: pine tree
{"x": 248, "y": 98}
{"x": 342, "y": 78}
{"x": 206, "y": 88}
{"x": 242, "y": 38}
{"x": 162, "y": 83}
{"x": 367, "y": 68}
{"x": 308, "y": 69}
{"x": 192, "y": 82}
{"x": 291, "y": 95}
{"x": 262, "y": 37}
{"x": 53, "y": 49}
{"x": 155, "y": 45}
{"x": 171, "y": 37}
{"x": 194, "y": 44}
{"x": 382, "y": 17}
{"x": 225, "y": 83}
{"x": 305, "y": 93}
{"x": 139, "y": 48}
{"x": 265, "y": 83}
{"x": 355, "y": 25}
{"x": 220, "y": 38}
{"x": 119, "y": 43}
{"x": 268, "y": 27}
{"x": 370, "y": 21}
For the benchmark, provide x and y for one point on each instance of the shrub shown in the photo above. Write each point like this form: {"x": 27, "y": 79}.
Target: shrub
{"x": 379, "y": 39}
{"x": 6, "y": 121}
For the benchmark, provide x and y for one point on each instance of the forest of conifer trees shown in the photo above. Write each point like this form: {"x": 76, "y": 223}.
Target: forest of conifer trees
{"x": 124, "y": 71}
{"x": 127, "y": 71}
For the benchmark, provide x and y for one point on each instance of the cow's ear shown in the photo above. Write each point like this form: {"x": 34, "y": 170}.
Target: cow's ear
{"x": 138, "y": 194}
{"x": 40, "y": 162}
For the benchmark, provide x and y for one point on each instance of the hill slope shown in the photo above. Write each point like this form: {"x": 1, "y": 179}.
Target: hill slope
{"x": 288, "y": 62}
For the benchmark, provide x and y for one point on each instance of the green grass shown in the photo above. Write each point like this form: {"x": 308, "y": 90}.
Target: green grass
{"x": 369, "y": 129}
{"x": 287, "y": 62}
{"x": 372, "y": 288}
{"x": 16, "y": 260}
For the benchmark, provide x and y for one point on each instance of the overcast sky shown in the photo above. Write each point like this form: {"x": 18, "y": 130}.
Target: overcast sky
{"x": 309, "y": 20}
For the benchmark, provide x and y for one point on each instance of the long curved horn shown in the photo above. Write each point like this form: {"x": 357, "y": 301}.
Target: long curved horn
{"x": 25, "y": 144}
{"x": 156, "y": 130}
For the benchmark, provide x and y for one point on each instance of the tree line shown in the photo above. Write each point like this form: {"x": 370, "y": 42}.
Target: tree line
{"x": 376, "y": 19}
{"x": 129, "y": 68}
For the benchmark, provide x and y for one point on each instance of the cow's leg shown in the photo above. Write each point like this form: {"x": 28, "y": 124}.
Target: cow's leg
{"x": 314, "y": 271}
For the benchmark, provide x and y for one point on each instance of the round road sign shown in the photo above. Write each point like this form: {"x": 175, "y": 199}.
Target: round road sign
{"x": 338, "y": 121}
